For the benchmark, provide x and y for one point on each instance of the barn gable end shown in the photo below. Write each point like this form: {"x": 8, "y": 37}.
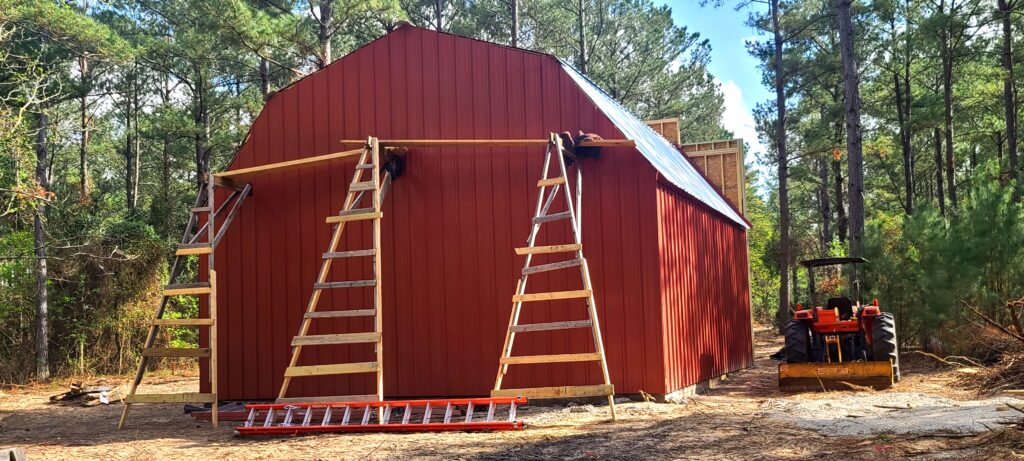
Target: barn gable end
{"x": 451, "y": 223}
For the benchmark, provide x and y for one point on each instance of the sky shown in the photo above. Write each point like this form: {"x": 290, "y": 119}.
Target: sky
{"x": 734, "y": 68}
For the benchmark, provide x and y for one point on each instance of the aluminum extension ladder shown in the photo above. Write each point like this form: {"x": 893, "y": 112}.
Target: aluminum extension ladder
{"x": 397, "y": 415}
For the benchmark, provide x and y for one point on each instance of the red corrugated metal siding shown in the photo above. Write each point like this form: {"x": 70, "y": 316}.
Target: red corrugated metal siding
{"x": 451, "y": 223}
{"x": 704, "y": 291}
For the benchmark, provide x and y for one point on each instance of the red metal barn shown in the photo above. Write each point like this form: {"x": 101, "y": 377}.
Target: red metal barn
{"x": 668, "y": 255}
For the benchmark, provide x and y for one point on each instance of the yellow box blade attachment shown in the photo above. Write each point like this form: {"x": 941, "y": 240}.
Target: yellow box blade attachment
{"x": 834, "y": 376}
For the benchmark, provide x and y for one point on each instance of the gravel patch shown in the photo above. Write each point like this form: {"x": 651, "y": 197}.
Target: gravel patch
{"x": 894, "y": 413}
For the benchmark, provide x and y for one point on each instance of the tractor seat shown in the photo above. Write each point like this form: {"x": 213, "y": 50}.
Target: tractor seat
{"x": 844, "y": 305}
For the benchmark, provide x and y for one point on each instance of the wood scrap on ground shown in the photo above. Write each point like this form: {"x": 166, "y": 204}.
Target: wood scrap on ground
{"x": 87, "y": 396}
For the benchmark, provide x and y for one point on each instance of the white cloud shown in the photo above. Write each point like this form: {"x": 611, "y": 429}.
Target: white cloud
{"x": 738, "y": 119}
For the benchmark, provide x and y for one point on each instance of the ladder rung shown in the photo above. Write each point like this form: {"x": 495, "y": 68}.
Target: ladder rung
{"x": 552, "y": 266}
{"x": 364, "y": 166}
{"x": 553, "y": 326}
{"x": 551, "y": 181}
{"x": 365, "y": 185}
{"x": 349, "y": 284}
{"x": 335, "y": 314}
{"x": 355, "y": 211}
{"x": 549, "y": 249}
{"x": 330, "y": 399}
{"x": 186, "y": 397}
{"x": 176, "y": 352}
{"x": 557, "y": 392}
{"x": 183, "y": 322}
{"x": 552, "y": 217}
{"x": 336, "y": 369}
{"x": 182, "y": 289}
{"x": 354, "y": 217}
{"x": 344, "y": 338}
{"x": 350, "y": 254}
{"x": 201, "y": 209}
{"x": 555, "y": 358}
{"x": 193, "y": 249}
{"x": 552, "y": 296}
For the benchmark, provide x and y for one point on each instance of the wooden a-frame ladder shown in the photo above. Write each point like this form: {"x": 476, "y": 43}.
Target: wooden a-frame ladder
{"x": 550, "y": 188}
{"x": 373, "y": 188}
{"x": 192, "y": 244}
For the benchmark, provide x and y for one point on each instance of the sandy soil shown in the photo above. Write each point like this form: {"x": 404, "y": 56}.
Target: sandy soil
{"x": 744, "y": 418}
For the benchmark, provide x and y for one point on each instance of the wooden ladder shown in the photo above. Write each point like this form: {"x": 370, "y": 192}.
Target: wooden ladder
{"x": 376, "y": 185}
{"x": 550, "y": 188}
{"x": 192, "y": 244}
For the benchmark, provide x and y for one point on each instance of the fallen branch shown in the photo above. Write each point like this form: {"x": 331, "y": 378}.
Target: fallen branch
{"x": 989, "y": 321}
{"x": 951, "y": 363}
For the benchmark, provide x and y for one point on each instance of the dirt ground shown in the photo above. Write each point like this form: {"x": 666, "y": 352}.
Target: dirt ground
{"x": 744, "y": 418}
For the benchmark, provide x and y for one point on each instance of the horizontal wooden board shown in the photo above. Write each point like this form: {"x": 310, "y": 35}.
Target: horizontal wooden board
{"x": 551, "y": 296}
{"x": 558, "y": 392}
{"x": 176, "y": 352}
{"x": 330, "y": 399}
{"x": 552, "y": 266}
{"x": 488, "y": 142}
{"x": 186, "y": 289}
{"x": 242, "y": 174}
{"x": 186, "y": 397}
{"x": 183, "y": 322}
{"x": 549, "y": 249}
{"x": 553, "y": 326}
{"x": 343, "y": 338}
{"x": 553, "y": 358}
{"x": 336, "y": 369}
{"x": 348, "y": 284}
{"x": 551, "y": 181}
{"x": 552, "y": 217}
{"x": 338, "y": 314}
{"x": 361, "y": 186}
{"x": 203, "y": 250}
{"x": 354, "y": 217}
{"x": 350, "y": 254}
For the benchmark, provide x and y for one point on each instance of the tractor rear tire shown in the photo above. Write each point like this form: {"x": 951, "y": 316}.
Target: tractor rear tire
{"x": 798, "y": 342}
{"x": 883, "y": 342}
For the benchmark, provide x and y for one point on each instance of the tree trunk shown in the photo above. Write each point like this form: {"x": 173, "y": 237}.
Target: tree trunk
{"x": 1006, "y": 7}
{"x": 514, "y": 4}
{"x": 902, "y": 87}
{"x": 824, "y": 203}
{"x": 83, "y": 147}
{"x": 580, "y": 26}
{"x": 854, "y": 154}
{"x": 264, "y": 77}
{"x": 946, "y": 53}
{"x": 842, "y": 224}
{"x": 782, "y": 315}
{"x": 324, "y": 32}
{"x": 437, "y": 12}
{"x": 42, "y": 305}
{"x": 201, "y": 122}
{"x": 938, "y": 172}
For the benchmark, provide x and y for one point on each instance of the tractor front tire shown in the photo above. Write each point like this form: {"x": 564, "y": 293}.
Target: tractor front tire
{"x": 883, "y": 342}
{"x": 798, "y": 342}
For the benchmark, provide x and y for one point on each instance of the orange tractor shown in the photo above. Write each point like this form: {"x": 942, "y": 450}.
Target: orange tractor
{"x": 845, "y": 342}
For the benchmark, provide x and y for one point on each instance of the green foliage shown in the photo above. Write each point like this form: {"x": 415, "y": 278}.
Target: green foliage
{"x": 923, "y": 267}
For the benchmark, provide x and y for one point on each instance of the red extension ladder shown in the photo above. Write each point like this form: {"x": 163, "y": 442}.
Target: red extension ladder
{"x": 397, "y": 415}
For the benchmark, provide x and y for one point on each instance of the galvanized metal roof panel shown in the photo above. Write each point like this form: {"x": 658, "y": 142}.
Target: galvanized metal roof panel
{"x": 656, "y": 149}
